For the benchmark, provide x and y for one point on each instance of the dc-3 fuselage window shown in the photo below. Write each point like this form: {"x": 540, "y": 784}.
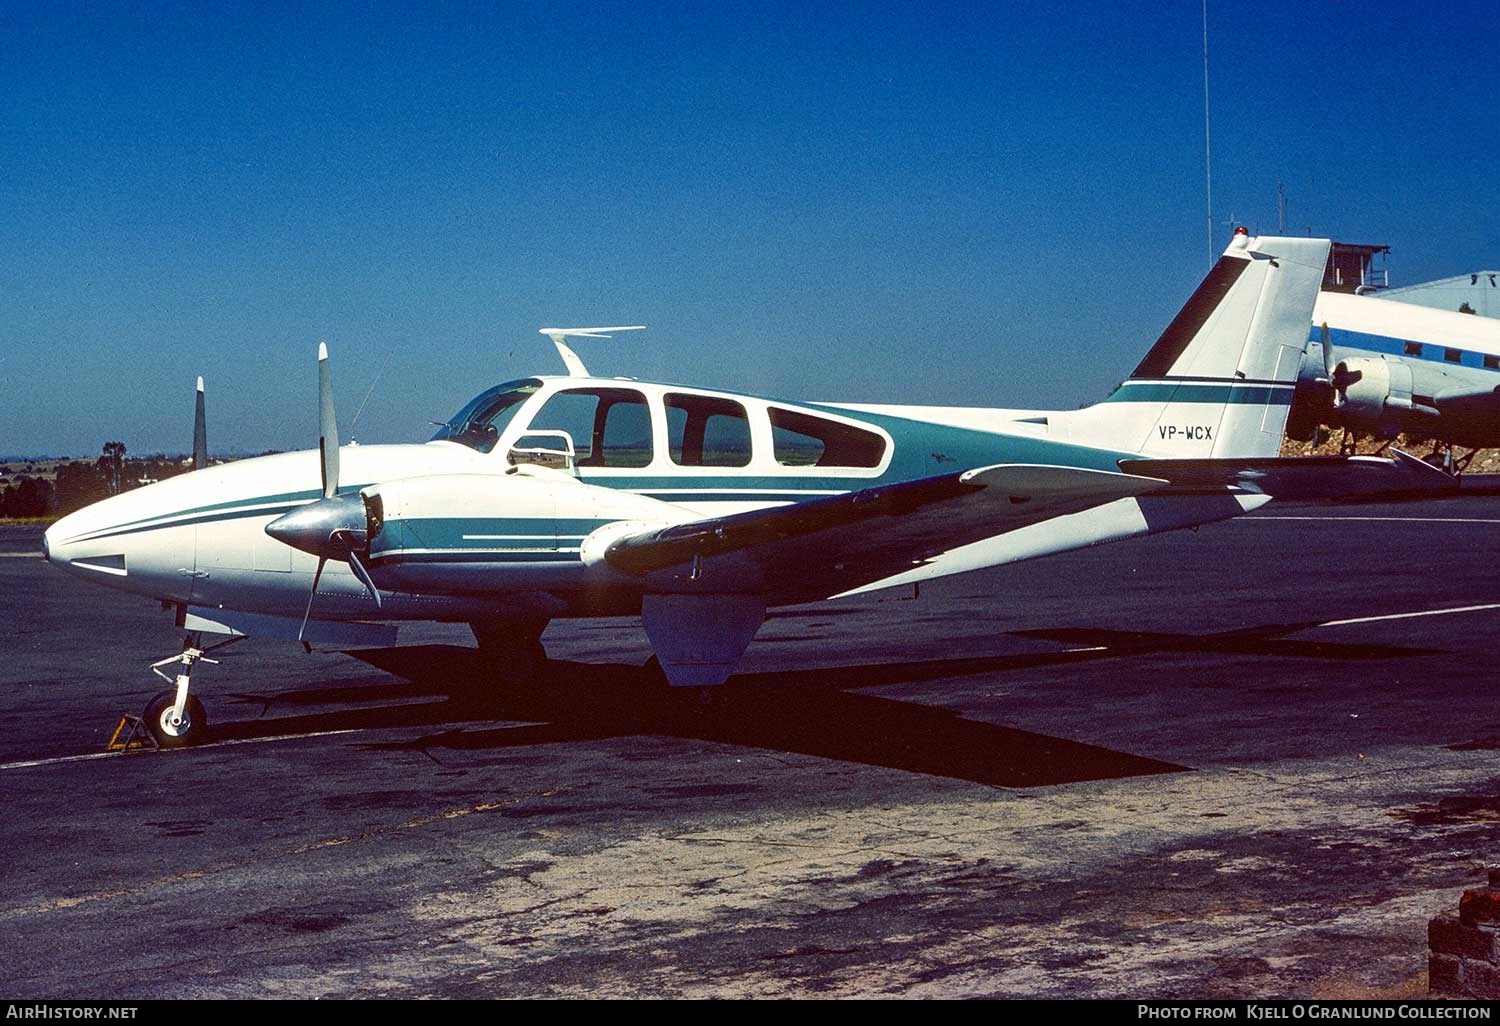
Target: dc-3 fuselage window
{"x": 478, "y": 425}
{"x": 804, "y": 440}
{"x": 610, "y": 427}
{"x": 706, "y": 431}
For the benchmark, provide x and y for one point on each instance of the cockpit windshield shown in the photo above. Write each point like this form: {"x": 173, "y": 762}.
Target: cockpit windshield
{"x": 479, "y": 424}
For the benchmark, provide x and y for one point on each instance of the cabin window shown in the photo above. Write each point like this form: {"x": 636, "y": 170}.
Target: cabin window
{"x": 610, "y": 427}
{"x": 1453, "y": 355}
{"x": 803, "y": 440}
{"x": 1492, "y": 362}
{"x": 1413, "y": 349}
{"x": 706, "y": 431}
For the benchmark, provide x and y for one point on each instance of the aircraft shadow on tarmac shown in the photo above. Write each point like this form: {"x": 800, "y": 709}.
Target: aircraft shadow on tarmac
{"x": 813, "y": 711}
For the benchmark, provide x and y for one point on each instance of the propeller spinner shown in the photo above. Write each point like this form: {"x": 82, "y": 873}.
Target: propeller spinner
{"x": 1336, "y": 375}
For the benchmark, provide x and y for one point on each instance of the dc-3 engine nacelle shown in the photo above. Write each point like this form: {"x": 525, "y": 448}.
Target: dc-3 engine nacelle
{"x": 1374, "y": 394}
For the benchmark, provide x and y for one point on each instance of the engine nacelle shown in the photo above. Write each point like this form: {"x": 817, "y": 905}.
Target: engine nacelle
{"x": 488, "y": 533}
{"x": 1373, "y": 394}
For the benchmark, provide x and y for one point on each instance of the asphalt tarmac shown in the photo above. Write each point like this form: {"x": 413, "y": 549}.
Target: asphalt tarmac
{"x": 1246, "y": 761}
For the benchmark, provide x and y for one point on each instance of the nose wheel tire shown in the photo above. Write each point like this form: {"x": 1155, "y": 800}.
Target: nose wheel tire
{"x": 193, "y": 729}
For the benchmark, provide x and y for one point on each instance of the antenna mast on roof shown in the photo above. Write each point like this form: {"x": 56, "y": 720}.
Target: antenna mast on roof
{"x": 1208, "y": 166}
{"x": 575, "y": 366}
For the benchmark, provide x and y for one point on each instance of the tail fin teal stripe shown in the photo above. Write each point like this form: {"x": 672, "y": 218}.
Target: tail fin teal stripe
{"x": 1202, "y": 392}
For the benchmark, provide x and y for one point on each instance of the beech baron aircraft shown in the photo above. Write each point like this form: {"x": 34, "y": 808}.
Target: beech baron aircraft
{"x": 698, "y": 509}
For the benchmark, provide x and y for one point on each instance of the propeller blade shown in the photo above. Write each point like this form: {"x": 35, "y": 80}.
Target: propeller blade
{"x": 1327, "y": 354}
{"x": 364, "y": 576}
{"x": 317, "y": 576}
{"x": 200, "y": 431}
{"x": 328, "y": 428}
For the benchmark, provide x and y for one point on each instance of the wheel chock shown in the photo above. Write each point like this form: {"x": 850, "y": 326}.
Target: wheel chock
{"x": 130, "y": 733}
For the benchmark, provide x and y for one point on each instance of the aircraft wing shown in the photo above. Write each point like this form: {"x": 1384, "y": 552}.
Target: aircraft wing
{"x": 823, "y": 547}
{"x": 1302, "y": 477}
{"x": 1479, "y": 402}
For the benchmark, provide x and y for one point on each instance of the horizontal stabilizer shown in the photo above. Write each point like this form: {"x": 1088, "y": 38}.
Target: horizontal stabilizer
{"x": 1303, "y": 477}
{"x": 825, "y": 546}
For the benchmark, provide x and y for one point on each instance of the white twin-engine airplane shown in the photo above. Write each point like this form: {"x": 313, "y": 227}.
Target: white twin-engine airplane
{"x": 698, "y": 509}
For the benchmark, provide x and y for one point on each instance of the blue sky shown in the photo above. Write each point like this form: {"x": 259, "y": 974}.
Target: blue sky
{"x": 986, "y": 204}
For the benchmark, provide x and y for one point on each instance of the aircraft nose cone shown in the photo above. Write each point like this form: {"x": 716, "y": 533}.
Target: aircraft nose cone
{"x": 311, "y": 528}
{"x": 54, "y": 549}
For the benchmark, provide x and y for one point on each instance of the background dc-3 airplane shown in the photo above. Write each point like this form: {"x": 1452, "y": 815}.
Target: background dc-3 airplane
{"x": 698, "y": 509}
{"x": 1379, "y": 367}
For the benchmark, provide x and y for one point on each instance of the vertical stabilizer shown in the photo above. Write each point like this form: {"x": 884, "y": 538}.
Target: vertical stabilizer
{"x": 1219, "y": 380}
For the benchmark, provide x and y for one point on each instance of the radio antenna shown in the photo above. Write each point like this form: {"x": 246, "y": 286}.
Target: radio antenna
{"x": 1208, "y": 164}
{"x": 575, "y": 366}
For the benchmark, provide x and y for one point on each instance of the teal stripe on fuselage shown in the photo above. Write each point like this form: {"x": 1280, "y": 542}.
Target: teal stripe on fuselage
{"x": 264, "y": 505}
{"x": 680, "y": 494}
{"x": 467, "y": 534}
{"x": 925, "y": 449}
{"x": 207, "y": 518}
{"x": 447, "y": 556}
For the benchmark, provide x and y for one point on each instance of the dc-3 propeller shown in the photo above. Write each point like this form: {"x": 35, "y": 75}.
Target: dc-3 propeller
{"x": 335, "y": 526}
{"x": 1337, "y": 376}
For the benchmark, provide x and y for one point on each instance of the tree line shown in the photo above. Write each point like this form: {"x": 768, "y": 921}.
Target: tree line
{"x": 81, "y": 482}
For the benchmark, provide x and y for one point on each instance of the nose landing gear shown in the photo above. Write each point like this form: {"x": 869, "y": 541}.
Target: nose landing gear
{"x": 175, "y": 718}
